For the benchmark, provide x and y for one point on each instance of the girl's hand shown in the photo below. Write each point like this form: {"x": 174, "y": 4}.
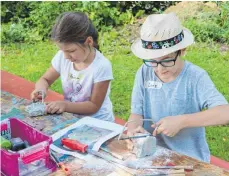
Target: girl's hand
{"x": 56, "y": 107}
{"x": 37, "y": 94}
{"x": 169, "y": 126}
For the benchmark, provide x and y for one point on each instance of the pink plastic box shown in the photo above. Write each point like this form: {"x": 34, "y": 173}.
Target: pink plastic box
{"x": 33, "y": 160}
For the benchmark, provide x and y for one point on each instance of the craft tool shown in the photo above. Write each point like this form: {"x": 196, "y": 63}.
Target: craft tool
{"x": 186, "y": 169}
{"x": 74, "y": 145}
{"x": 130, "y": 165}
{"x": 179, "y": 172}
{"x": 78, "y": 146}
{"x": 131, "y": 121}
{"x": 134, "y": 137}
{"x": 59, "y": 164}
{"x": 40, "y": 98}
{"x": 112, "y": 160}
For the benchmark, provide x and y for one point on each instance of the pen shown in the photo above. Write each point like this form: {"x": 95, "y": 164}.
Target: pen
{"x": 59, "y": 164}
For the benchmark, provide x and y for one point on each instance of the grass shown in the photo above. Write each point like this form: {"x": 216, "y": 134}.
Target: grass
{"x": 30, "y": 61}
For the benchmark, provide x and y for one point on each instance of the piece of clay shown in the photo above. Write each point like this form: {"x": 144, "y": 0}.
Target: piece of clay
{"x": 17, "y": 144}
{"x": 6, "y": 144}
{"x": 145, "y": 146}
{"x": 36, "y": 109}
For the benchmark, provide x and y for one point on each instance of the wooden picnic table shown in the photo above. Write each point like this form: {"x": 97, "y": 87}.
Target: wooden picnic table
{"x": 14, "y": 98}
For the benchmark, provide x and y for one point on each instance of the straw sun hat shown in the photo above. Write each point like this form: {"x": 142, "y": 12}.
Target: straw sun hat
{"x": 161, "y": 34}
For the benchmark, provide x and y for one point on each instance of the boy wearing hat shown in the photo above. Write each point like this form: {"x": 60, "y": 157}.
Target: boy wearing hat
{"x": 178, "y": 96}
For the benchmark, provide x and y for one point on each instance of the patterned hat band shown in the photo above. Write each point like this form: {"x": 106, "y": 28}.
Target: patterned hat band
{"x": 164, "y": 43}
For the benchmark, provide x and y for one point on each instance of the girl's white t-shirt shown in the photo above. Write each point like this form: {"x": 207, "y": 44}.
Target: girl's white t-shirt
{"x": 77, "y": 85}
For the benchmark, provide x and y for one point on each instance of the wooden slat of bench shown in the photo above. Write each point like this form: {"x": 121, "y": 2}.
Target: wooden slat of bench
{"x": 22, "y": 87}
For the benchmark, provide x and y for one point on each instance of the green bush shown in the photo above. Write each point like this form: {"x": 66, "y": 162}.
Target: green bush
{"x": 43, "y": 14}
{"x": 223, "y": 19}
{"x": 210, "y": 26}
{"x": 206, "y": 30}
{"x": 12, "y": 11}
{"x": 207, "y": 21}
{"x": 12, "y": 32}
{"x": 37, "y": 18}
{"x": 32, "y": 21}
{"x": 148, "y": 6}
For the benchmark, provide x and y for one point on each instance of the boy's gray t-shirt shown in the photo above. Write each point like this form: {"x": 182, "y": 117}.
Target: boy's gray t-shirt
{"x": 191, "y": 92}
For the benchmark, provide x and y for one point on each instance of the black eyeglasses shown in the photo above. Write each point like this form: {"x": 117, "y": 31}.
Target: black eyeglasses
{"x": 165, "y": 63}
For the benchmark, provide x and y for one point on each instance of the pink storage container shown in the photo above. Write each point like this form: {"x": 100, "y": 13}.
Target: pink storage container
{"x": 33, "y": 160}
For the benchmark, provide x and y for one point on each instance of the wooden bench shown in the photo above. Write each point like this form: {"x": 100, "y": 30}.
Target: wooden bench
{"x": 22, "y": 88}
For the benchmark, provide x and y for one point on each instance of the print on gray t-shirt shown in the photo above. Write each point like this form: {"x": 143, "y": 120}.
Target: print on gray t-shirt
{"x": 77, "y": 85}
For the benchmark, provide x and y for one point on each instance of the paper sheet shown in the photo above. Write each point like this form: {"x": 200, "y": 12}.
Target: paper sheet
{"x": 89, "y": 121}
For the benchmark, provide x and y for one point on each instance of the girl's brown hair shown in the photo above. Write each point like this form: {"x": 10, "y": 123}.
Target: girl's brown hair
{"x": 74, "y": 27}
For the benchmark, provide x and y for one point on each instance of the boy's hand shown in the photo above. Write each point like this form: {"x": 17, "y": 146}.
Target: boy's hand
{"x": 139, "y": 129}
{"x": 168, "y": 126}
{"x": 56, "y": 107}
{"x": 130, "y": 143}
{"x": 37, "y": 94}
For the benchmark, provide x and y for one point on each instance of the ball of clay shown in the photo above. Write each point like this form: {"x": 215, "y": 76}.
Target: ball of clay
{"x": 36, "y": 109}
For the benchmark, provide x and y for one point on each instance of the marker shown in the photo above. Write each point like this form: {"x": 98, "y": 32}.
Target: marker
{"x": 59, "y": 164}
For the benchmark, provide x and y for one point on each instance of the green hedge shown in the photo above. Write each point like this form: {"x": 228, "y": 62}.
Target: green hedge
{"x": 207, "y": 20}
{"x": 32, "y": 21}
